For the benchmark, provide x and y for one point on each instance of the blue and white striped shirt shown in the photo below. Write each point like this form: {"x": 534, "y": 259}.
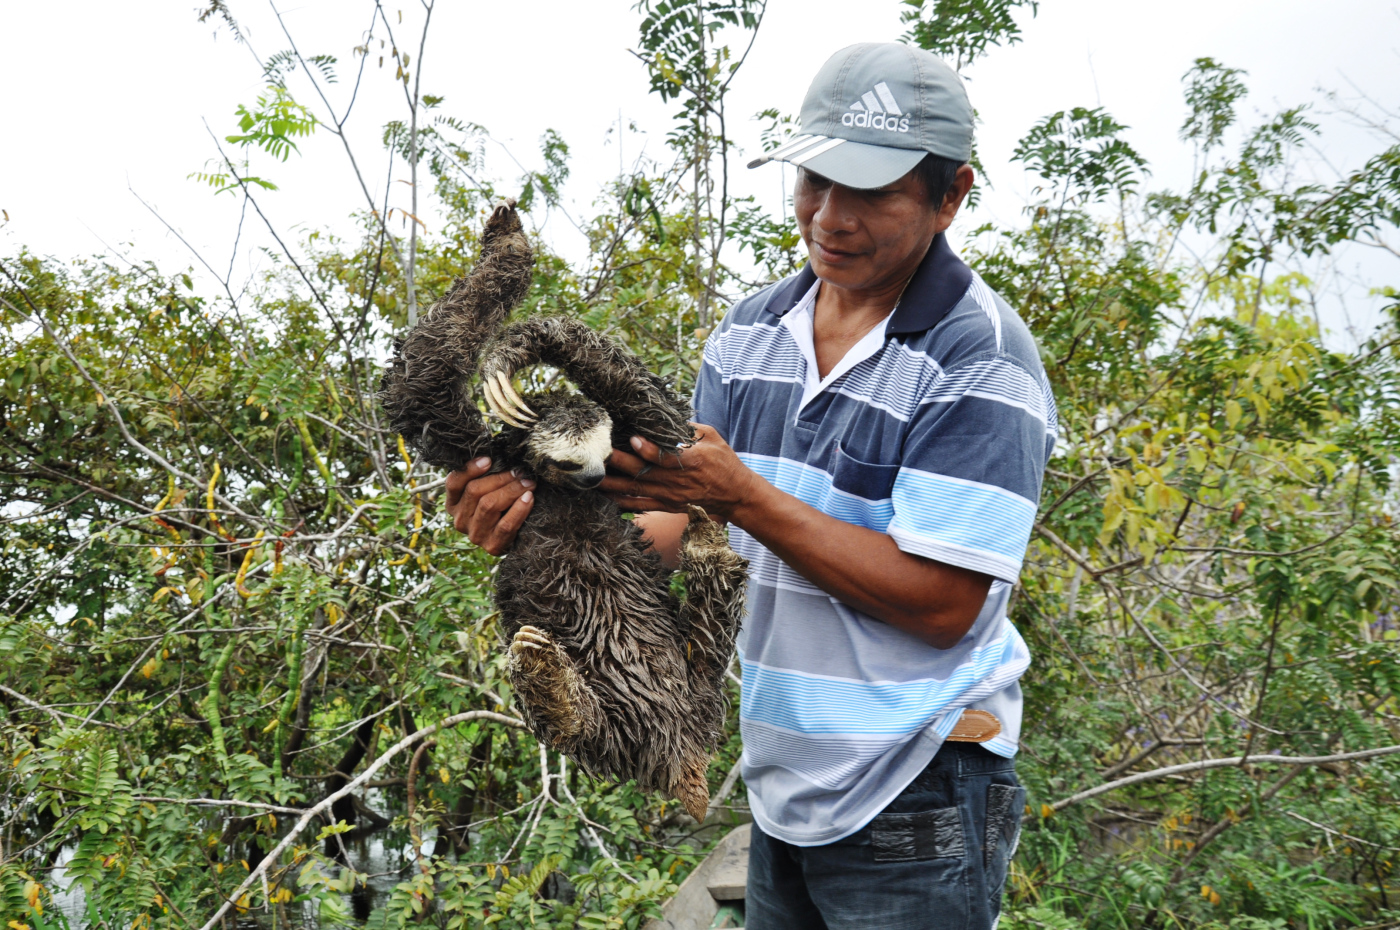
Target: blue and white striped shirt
{"x": 935, "y": 428}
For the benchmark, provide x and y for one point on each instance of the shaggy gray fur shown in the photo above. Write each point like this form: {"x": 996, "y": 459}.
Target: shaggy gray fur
{"x": 607, "y": 665}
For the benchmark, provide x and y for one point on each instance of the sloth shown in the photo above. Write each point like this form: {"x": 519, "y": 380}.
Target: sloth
{"x": 607, "y": 664}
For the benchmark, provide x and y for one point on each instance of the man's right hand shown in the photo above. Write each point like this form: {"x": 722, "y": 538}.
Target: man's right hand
{"x": 489, "y": 508}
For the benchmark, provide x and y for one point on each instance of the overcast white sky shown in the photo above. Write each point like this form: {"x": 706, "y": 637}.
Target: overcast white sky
{"x": 99, "y": 97}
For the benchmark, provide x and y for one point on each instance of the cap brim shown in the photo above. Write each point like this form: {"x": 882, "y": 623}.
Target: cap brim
{"x": 852, "y": 164}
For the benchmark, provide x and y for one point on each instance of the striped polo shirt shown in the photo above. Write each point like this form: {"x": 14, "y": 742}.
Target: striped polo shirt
{"x": 935, "y": 428}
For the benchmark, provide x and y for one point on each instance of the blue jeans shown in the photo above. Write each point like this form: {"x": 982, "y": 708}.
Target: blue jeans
{"x": 935, "y": 858}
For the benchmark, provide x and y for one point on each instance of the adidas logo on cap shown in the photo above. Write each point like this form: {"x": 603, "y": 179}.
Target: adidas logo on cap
{"x": 877, "y": 110}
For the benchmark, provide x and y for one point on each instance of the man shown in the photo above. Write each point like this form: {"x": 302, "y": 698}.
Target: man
{"x": 874, "y": 430}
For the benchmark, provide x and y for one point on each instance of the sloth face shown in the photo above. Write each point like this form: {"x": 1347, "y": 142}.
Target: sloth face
{"x": 570, "y": 443}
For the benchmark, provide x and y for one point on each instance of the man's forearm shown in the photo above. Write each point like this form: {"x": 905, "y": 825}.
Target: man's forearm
{"x": 859, "y": 567}
{"x": 865, "y": 569}
{"x": 663, "y": 531}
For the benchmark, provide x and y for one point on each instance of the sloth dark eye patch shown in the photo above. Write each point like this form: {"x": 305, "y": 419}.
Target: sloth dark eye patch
{"x": 564, "y": 466}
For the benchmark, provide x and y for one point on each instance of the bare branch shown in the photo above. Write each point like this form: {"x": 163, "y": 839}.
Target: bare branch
{"x": 57, "y": 715}
{"x": 1202, "y": 765}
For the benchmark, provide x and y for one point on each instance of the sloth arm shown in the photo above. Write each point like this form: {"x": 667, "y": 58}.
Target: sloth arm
{"x": 425, "y": 386}
{"x": 860, "y": 567}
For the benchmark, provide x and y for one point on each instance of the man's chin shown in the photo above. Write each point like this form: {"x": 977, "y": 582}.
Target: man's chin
{"x": 853, "y": 273}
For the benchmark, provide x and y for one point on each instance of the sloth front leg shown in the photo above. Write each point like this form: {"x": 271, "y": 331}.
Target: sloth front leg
{"x": 550, "y": 689}
{"x": 716, "y": 579}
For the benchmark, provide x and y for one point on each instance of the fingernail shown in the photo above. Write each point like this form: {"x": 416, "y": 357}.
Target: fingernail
{"x": 482, "y": 462}
{"x": 527, "y": 482}
{"x": 637, "y": 443}
{"x": 527, "y": 496}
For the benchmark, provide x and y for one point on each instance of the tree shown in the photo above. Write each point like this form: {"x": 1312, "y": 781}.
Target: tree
{"x": 230, "y": 600}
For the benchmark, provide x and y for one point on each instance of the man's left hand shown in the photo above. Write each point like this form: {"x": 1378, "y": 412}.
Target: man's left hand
{"x": 707, "y": 473}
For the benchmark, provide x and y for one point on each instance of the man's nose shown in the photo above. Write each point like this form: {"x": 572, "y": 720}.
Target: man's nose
{"x": 834, "y": 213}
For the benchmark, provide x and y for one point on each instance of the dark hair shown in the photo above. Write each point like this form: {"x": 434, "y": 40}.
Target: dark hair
{"x": 937, "y": 173}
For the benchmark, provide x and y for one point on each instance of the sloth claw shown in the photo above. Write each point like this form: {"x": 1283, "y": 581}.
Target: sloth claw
{"x": 497, "y": 407}
{"x": 528, "y": 637}
{"x": 505, "y": 402}
{"x": 512, "y": 395}
{"x": 488, "y": 388}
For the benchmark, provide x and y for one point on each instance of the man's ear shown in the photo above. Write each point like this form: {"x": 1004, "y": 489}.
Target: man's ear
{"x": 953, "y": 199}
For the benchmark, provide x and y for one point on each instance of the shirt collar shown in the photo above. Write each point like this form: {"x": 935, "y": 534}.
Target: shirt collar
{"x": 799, "y": 323}
{"x": 939, "y": 283}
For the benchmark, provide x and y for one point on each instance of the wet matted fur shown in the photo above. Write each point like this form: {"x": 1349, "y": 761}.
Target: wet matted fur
{"x": 607, "y": 664}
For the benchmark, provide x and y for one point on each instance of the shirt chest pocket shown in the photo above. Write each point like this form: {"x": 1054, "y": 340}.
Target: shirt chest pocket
{"x": 860, "y": 491}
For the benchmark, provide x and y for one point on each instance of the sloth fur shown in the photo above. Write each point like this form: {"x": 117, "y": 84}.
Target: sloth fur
{"x": 607, "y": 664}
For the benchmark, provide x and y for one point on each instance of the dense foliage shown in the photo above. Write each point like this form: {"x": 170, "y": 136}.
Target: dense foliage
{"x": 241, "y": 645}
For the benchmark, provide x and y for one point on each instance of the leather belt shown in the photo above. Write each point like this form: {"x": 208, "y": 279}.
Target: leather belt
{"x": 975, "y": 726}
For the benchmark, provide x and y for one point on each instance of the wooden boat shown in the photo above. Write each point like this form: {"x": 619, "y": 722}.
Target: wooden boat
{"x": 713, "y": 895}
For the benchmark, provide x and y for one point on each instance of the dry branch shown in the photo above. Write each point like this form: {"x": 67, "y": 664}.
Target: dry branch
{"x": 57, "y": 715}
{"x": 1233, "y": 762}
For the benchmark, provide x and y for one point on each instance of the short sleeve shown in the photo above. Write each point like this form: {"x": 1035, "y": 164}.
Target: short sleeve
{"x": 711, "y": 400}
{"x": 970, "y": 474}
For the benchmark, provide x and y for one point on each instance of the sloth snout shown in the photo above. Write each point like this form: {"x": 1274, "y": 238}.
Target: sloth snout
{"x": 587, "y": 480}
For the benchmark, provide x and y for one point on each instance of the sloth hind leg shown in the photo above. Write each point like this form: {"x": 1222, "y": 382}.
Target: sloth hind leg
{"x": 715, "y": 584}
{"x": 692, "y": 789}
{"x": 552, "y": 693}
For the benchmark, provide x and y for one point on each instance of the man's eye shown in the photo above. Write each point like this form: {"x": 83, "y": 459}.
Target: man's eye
{"x": 565, "y": 466}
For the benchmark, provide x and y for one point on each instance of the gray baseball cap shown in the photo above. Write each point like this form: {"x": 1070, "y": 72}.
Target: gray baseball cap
{"x": 874, "y": 110}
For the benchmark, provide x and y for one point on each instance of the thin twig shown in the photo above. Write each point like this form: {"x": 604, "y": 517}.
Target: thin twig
{"x": 1346, "y": 836}
{"x": 588, "y": 824}
{"x": 207, "y": 603}
{"x": 106, "y": 398}
{"x": 1201, "y": 765}
{"x": 725, "y": 788}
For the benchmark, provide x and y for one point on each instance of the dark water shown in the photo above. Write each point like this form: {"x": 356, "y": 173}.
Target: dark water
{"x": 386, "y": 856}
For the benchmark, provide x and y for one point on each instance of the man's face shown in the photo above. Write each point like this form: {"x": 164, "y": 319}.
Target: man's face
{"x": 867, "y": 239}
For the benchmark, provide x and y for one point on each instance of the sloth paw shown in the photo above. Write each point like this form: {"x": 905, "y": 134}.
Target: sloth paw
{"x": 502, "y": 210}
{"x": 538, "y": 659}
{"x": 692, "y": 789}
{"x": 702, "y": 532}
{"x": 550, "y": 688}
{"x": 705, "y": 549}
